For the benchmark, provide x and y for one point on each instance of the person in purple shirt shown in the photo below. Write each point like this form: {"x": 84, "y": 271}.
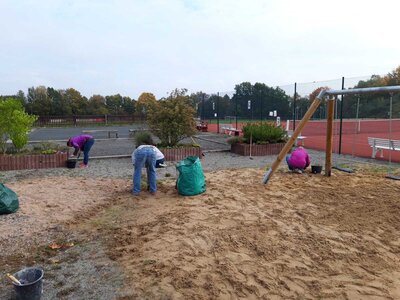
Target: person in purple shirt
{"x": 298, "y": 160}
{"x": 83, "y": 143}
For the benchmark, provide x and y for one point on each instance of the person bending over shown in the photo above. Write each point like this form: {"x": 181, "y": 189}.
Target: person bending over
{"x": 160, "y": 158}
{"x": 83, "y": 143}
{"x": 298, "y": 160}
{"x": 144, "y": 156}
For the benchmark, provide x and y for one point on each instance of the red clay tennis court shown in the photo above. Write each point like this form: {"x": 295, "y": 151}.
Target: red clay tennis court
{"x": 355, "y": 134}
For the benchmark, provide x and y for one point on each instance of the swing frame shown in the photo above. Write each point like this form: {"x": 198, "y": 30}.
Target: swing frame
{"x": 329, "y": 129}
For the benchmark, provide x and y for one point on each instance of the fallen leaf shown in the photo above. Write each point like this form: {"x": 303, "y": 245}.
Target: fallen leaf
{"x": 54, "y": 246}
{"x": 54, "y": 260}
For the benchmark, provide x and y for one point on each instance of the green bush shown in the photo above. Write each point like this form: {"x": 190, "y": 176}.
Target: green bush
{"x": 263, "y": 133}
{"x": 15, "y": 124}
{"x": 143, "y": 138}
{"x": 236, "y": 140}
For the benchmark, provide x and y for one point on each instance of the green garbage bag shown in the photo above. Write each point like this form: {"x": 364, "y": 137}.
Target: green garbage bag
{"x": 8, "y": 200}
{"x": 191, "y": 179}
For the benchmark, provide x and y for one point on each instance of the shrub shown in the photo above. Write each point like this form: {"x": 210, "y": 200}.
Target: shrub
{"x": 235, "y": 140}
{"x": 143, "y": 138}
{"x": 263, "y": 133}
{"x": 14, "y": 124}
{"x": 172, "y": 119}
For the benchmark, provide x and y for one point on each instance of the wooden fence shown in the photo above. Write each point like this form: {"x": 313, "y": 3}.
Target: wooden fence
{"x": 59, "y": 121}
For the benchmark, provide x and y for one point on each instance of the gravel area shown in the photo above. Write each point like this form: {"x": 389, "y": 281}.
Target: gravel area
{"x": 212, "y": 161}
{"x": 215, "y": 147}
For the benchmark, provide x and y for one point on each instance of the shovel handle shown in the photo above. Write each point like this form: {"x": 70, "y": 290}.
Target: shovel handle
{"x": 12, "y": 278}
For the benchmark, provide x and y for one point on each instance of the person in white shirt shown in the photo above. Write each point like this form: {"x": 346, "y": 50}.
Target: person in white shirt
{"x": 160, "y": 158}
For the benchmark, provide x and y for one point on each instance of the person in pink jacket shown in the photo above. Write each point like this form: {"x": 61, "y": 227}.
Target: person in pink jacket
{"x": 298, "y": 160}
{"x": 83, "y": 142}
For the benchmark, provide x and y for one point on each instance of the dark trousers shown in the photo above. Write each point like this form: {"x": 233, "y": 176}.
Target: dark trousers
{"x": 86, "y": 148}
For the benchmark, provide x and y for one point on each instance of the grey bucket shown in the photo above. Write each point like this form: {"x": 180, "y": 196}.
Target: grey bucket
{"x": 31, "y": 287}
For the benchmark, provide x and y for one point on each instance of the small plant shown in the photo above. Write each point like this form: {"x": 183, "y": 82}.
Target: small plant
{"x": 49, "y": 151}
{"x": 236, "y": 140}
{"x": 41, "y": 148}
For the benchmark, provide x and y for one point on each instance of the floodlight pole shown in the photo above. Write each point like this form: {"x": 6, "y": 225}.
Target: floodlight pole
{"x": 218, "y": 112}
{"x": 294, "y": 106}
{"x": 341, "y": 119}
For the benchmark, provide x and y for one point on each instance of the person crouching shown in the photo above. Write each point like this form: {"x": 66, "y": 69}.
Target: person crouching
{"x": 298, "y": 160}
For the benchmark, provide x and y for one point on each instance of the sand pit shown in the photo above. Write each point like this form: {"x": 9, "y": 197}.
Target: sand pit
{"x": 47, "y": 202}
{"x": 302, "y": 236}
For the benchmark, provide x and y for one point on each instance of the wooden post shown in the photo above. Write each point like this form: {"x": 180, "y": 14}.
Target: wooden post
{"x": 329, "y": 137}
{"x": 292, "y": 140}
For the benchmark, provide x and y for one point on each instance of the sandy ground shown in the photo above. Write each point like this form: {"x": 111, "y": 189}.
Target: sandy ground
{"x": 302, "y": 236}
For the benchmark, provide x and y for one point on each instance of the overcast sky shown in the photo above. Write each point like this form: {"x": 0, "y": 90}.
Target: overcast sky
{"x": 134, "y": 46}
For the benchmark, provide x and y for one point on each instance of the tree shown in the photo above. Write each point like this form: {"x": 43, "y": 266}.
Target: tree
{"x": 76, "y": 101}
{"x": 145, "y": 103}
{"x": 263, "y": 99}
{"x": 60, "y": 106}
{"x": 97, "y": 105}
{"x": 114, "y": 104}
{"x": 172, "y": 119}
{"x": 15, "y": 124}
{"x": 128, "y": 105}
{"x": 39, "y": 102}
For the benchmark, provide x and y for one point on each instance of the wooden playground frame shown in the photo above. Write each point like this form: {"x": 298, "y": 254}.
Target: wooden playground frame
{"x": 329, "y": 129}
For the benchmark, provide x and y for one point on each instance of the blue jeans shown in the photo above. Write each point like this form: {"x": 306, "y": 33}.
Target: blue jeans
{"x": 145, "y": 157}
{"x": 287, "y": 161}
{"x": 86, "y": 148}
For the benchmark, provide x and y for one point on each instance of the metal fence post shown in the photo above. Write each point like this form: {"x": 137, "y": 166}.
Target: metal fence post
{"x": 341, "y": 119}
{"x": 294, "y": 106}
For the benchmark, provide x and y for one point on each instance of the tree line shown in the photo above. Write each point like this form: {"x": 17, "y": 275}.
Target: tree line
{"x": 249, "y": 101}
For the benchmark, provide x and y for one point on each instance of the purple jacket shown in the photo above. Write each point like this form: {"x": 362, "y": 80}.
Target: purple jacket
{"x": 78, "y": 142}
{"x": 299, "y": 159}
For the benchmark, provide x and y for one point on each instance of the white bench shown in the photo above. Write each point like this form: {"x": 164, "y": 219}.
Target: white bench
{"x": 300, "y": 138}
{"x": 379, "y": 144}
{"x": 231, "y": 131}
{"x": 107, "y": 131}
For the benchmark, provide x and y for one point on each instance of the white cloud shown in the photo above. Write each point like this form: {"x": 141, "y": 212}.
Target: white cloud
{"x": 127, "y": 47}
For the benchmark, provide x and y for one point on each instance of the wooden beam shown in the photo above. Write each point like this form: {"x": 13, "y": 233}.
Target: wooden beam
{"x": 292, "y": 140}
{"x": 329, "y": 137}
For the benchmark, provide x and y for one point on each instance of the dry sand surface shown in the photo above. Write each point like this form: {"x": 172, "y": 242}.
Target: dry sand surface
{"x": 302, "y": 236}
{"x": 47, "y": 202}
